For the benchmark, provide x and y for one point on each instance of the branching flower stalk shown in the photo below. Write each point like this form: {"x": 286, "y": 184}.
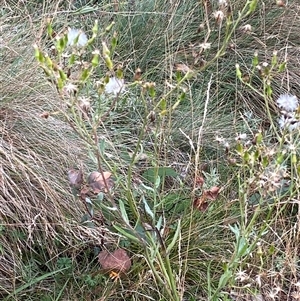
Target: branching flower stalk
{"x": 86, "y": 128}
{"x": 248, "y": 235}
{"x": 231, "y": 27}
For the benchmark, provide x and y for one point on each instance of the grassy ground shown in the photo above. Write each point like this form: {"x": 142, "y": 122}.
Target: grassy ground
{"x": 201, "y": 217}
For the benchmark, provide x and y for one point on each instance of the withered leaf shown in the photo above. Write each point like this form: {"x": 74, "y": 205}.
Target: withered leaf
{"x": 199, "y": 181}
{"x": 182, "y": 68}
{"x": 212, "y": 193}
{"x": 201, "y": 203}
{"x": 75, "y": 178}
{"x": 100, "y": 183}
{"x": 118, "y": 261}
{"x": 84, "y": 192}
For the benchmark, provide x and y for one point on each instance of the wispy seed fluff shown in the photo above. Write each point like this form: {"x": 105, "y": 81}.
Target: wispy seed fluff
{"x": 115, "y": 86}
{"x": 73, "y": 34}
{"x": 288, "y": 105}
{"x": 287, "y": 102}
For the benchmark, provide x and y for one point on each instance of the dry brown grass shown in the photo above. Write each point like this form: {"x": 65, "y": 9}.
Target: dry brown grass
{"x": 38, "y": 213}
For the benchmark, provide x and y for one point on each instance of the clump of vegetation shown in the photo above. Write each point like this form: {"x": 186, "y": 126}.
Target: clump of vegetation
{"x": 149, "y": 152}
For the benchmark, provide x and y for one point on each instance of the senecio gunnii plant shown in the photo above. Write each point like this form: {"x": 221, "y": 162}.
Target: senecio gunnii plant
{"x": 90, "y": 86}
{"x": 267, "y": 172}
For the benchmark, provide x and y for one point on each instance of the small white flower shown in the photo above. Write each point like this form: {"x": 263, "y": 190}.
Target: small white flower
{"x": 287, "y": 102}
{"x": 247, "y": 28}
{"x": 73, "y": 34}
{"x": 223, "y": 142}
{"x": 258, "y": 280}
{"x": 241, "y": 276}
{"x": 273, "y": 177}
{"x": 222, "y": 2}
{"x": 289, "y": 121}
{"x": 84, "y": 103}
{"x": 219, "y": 16}
{"x": 241, "y": 137}
{"x": 220, "y": 139}
{"x": 205, "y": 46}
{"x": 115, "y": 86}
{"x": 70, "y": 88}
{"x": 297, "y": 284}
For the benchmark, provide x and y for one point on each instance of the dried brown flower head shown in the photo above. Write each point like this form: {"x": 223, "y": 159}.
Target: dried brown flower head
{"x": 117, "y": 261}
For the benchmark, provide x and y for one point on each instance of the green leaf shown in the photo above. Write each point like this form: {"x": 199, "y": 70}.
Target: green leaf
{"x": 157, "y": 182}
{"x": 242, "y": 248}
{"x": 108, "y": 62}
{"x": 152, "y": 91}
{"x": 152, "y": 173}
{"x": 252, "y": 6}
{"x": 148, "y": 209}
{"x": 280, "y": 158}
{"x": 269, "y": 90}
{"x": 127, "y": 233}
{"x": 60, "y": 83}
{"x": 159, "y": 223}
{"x": 84, "y": 10}
{"x": 259, "y": 138}
{"x": 147, "y": 187}
{"x": 282, "y": 67}
{"x": 123, "y": 212}
{"x": 271, "y": 250}
{"x": 294, "y": 159}
{"x": 90, "y": 206}
{"x": 49, "y": 62}
{"x": 140, "y": 230}
{"x": 255, "y": 199}
{"x": 102, "y": 145}
{"x": 175, "y": 237}
{"x": 62, "y": 75}
{"x": 177, "y": 103}
{"x": 240, "y": 149}
{"x": 100, "y": 196}
{"x": 225, "y": 278}
{"x": 235, "y": 229}
{"x": 114, "y": 42}
{"x": 86, "y": 221}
